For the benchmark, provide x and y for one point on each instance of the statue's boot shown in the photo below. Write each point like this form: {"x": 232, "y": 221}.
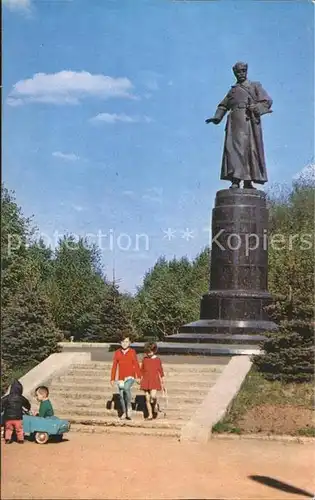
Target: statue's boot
{"x": 248, "y": 185}
{"x": 235, "y": 184}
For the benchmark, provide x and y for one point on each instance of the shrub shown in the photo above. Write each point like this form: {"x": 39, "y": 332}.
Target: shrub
{"x": 288, "y": 353}
{"x": 28, "y": 332}
{"x": 5, "y": 376}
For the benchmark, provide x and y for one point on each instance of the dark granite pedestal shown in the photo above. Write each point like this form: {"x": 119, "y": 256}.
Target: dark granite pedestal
{"x": 233, "y": 311}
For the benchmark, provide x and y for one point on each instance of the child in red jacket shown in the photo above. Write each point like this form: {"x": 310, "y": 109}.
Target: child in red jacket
{"x": 125, "y": 359}
{"x": 152, "y": 377}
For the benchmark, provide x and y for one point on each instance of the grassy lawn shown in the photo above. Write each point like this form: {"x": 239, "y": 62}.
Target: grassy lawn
{"x": 270, "y": 408}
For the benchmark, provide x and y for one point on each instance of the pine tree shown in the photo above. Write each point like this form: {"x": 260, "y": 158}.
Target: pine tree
{"x": 111, "y": 319}
{"x": 43, "y": 256}
{"x": 5, "y": 376}
{"x": 28, "y": 331}
{"x": 77, "y": 287}
{"x": 15, "y": 229}
{"x": 288, "y": 354}
{"x": 170, "y": 295}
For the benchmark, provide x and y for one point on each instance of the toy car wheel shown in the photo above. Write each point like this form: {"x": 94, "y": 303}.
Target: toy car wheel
{"x": 41, "y": 437}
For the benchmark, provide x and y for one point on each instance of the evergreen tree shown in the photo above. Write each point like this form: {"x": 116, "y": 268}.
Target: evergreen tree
{"x": 112, "y": 319}
{"x": 28, "y": 331}
{"x": 288, "y": 354}
{"x": 77, "y": 287}
{"x": 291, "y": 268}
{"x": 16, "y": 229}
{"x": 5, "y": 376}
{"x": 44, "y": 258}
{"x": 15, "y": 235}
{"x": 170, "y": 295}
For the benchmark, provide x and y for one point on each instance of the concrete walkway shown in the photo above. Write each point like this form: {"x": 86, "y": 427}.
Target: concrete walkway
{"x": 130, "y": 467}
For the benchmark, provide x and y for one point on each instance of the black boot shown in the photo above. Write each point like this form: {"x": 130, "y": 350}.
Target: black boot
{"x": 235, "y": 184}
{"x": 248, "y": 185}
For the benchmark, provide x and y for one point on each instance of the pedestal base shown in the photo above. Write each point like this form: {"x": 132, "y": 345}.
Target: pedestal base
{"x": 235, "y": 305}
{"x": 216, "y": 331}
{"x": 234, "y": 309}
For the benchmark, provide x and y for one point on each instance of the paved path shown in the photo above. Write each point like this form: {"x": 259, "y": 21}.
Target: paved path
{"x": 128, "y": 467}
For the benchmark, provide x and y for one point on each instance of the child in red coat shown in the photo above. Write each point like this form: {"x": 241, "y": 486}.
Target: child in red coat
{"x": 152, "y": 377}
{"x": 125, "y": 362}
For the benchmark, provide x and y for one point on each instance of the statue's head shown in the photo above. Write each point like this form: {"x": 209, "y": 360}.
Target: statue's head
{"x": 240, "y": 71}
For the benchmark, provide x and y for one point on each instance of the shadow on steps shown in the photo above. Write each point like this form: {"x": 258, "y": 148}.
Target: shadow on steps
{"x": 138, "y": 405}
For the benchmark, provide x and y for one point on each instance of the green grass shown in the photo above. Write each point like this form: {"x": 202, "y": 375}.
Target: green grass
{"x": 257, "y": 391}
{"x": 308, "y": 432}
{"x": 224, "y": 427}
{"x": 21, "y": 371}
{"x": 14, "y": 373}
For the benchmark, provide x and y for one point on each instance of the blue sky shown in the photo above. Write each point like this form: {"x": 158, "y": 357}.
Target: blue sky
{"x": 104, "y": 109}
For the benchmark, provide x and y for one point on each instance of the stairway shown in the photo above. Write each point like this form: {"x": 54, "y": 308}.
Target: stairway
{"x": 84, "y": 396}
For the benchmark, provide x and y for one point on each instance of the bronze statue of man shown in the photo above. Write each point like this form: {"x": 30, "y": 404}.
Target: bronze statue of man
{"x": 243, "y": 153}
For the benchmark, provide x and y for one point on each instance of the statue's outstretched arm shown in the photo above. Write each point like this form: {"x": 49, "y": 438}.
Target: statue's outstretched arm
{"x": 220, "y": 112}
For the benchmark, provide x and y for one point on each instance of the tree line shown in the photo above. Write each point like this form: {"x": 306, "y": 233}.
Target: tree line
{"x": 49, "y": 295}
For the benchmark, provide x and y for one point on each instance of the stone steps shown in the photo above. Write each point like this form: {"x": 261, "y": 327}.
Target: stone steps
{"x": 102, "y": 390}
{"x": 173, "y": 383}
{"x": 184, "y": 398}
{"x": 105, "y": 367}
{"x": 114, "y": 421}
{"x": 100, "y": 404}
{"x": 141, "y": 431}
{"x": 91, "y": 413}
{"x": 84, "y": 396}
{"x": 91, "y": 375}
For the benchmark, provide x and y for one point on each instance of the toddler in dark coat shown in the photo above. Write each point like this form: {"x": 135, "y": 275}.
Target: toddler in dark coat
{"x": 12, "y": 406}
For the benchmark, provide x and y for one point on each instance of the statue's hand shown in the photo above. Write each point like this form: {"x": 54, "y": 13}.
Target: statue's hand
{"x": 213, "y": 120}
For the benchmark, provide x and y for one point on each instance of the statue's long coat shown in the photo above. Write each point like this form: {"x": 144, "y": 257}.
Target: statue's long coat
{"x": 243, "y": 153}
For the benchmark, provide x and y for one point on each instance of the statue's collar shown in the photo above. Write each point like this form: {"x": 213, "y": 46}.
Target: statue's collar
{"x": 244, "y": 84}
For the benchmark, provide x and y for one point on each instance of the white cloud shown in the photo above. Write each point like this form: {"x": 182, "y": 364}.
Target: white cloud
{"x": 68, "y": 87}
{"x": 66, "y": 156}
{"x": 114, "y": 118}
{"x": 18, "y": 5}
{"x": 22, "y": 6}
